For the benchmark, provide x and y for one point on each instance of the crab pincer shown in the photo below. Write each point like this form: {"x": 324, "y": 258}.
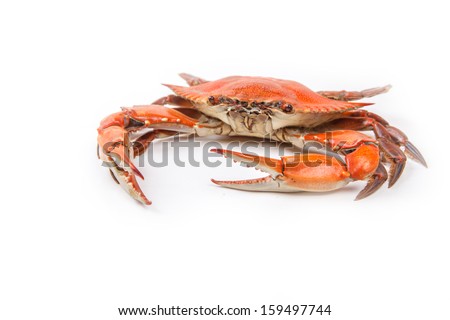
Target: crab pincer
{"x": 312, "y": 172}
{"x": 114, "y": 150}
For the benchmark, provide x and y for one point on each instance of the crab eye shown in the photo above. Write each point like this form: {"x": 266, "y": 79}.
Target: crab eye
{"x": 212, "y": 100}
{"x": 288, "y": 108}
{"x": 278, "y": 104}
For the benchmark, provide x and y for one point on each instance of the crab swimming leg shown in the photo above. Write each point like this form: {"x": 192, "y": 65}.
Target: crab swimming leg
{"x": 316, "y": 172}
{"x": 114, "y": 143}
{"x": 354, "y": 95}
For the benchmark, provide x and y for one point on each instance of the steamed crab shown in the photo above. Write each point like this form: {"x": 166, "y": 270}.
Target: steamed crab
{"x": 280, "y": 110}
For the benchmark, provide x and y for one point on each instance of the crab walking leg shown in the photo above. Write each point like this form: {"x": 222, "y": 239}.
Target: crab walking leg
{"x": 192, "y": 80}
{"x": 395, "y": 135}
{"x": 354, "y": 95}
{"x": 366, "y": 114}
{"x": 114, "y": 145}
{"x": 174, "y": 100}
{"x": 311, "y": 172}
{"x": 389, "y": 140}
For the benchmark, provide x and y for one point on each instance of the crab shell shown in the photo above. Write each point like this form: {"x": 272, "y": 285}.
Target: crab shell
{"x": 290, "y": 103}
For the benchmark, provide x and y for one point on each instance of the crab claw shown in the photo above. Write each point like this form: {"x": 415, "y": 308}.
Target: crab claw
{"x": 128, "y": 182}
{"x": 268, "y": 165}
{"x": 113, "y": 150}
{"x": 312, "y": 172}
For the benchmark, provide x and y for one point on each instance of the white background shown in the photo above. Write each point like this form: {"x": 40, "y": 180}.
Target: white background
{"x": 75, "y": 246}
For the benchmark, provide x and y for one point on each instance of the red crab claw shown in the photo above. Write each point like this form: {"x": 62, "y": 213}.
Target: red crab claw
{"x": 113, "y": 150}
{"x": 114, "y": 144}
{"x": 312, "y": 172}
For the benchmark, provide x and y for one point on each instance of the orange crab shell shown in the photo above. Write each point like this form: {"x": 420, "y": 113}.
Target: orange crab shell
{"x": 262, "y": 89}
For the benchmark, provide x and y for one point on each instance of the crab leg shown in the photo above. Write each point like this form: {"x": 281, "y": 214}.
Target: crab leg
{"x": 113, "y": 150}
{"x": 192, "y": 80}
{"x": 316, "y": 172}
{"x": 174, "y": 100}
{"x": 395, "y": 135}
{"x": 114, "y": 146}
{"x": 363, "y": 157}
{"x": 354, "y": 95}
{"x": 389, "y": 138}
{"x": 313, "y": 172}
{"x": 143, "y": 142}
